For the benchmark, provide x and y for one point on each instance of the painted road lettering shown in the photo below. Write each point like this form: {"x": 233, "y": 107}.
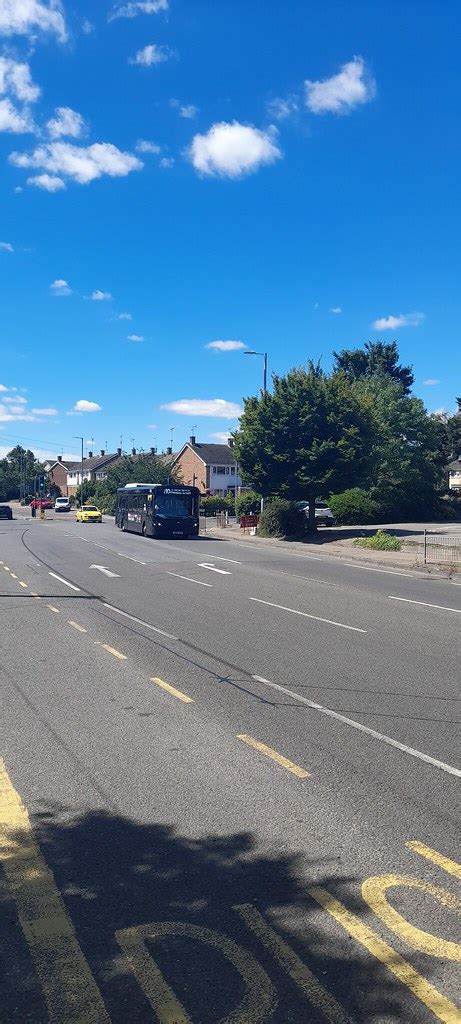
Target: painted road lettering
{"x": 374, "y": 892}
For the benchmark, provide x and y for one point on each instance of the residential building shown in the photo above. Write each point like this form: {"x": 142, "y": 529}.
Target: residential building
{"x": 210, "y": 467}
{"x": 454, "y": 475}
{"x": 68, "y": 475}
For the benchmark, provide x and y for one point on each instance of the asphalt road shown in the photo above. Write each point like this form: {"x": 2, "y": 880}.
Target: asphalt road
{"x": 230, "y": 783}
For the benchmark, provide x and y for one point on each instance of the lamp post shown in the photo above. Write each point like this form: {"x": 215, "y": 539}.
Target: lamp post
{"x": 77, "y": 438}
{"x": 252, "y": 352}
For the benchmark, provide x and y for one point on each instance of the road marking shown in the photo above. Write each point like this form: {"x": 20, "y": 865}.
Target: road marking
{"x": 131, "y": 559}
{"x": 374, "y": 893}
{"x": 22, "y": 584}
{"x": 262, "y": 679}
{"x": 113, "y": 650}
{"x": 107, "y": 572}
{"x": 212, "y": 568}
{"x": 443, "y": 1009}
{"x": 13, "y": 576}
{"x": 188, "y": 579}
{"x": 6, "y": 568}
{"x": 219, "y": 557}
{"x": 62, "y": 580}
{"x": 310, "y": 579}
{"x": 172, "y": 690}
{"x": 37, "y": 596}
{"x": 437, "y": 858}
{"x": 81, "y": 629}
{"x": 275, "y": 756}
{"x": 391, "y": 572}
{"x": 259, "y": 1000}
{"x": 68, "y": 985}
{"x": 53, "y": 609}
{"x": 140, "y": 622}
{"x": 317, "y": 618}
{"x": 294, "y": 967}
{"x": 362, "y": 728}
{"x": 425, "y": 604}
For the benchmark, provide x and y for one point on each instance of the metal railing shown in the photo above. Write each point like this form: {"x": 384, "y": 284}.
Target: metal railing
{"x": 442, "y": 548}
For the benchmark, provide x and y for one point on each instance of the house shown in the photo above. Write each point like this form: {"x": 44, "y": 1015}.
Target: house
{"x": 67, "y": 475}
{"x": 210, "y": 467}
{"x": 454, "y": 475}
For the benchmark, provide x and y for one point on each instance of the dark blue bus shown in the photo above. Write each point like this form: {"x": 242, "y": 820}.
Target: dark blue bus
{"x": 158, "y": 510}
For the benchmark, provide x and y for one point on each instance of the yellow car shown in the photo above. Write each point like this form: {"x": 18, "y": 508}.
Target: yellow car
{"x": 88, "y": 514}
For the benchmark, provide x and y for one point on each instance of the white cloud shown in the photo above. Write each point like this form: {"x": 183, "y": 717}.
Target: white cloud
{"x": 84, "y": 406}
{"x": 60, "y": 287}
{"x": 81, "y": 163}
{"x": 124, "y": 316}
{"x": 66, "y": 122}
{"x": 226, "y": 346}
{"x": 188, "y": 111}
{"x": 280, "y": 109}
{"x": 144, "y": 146}
{"x": 135, "y": 337}
{"x": 47, "y": 182}
{"x": 13, "y": 120}
{"x": 217, "y": 407}
{"x": 98, "y": 296}
{"x": 15, "y": 79}
{"x": 390, "y": 323}
{"x": 24, "y": 17}
{"x": 3, "y": 387}
{"x": 166, "y": 162}
{"x": 6, "y": 247}
{"x": 431, "y": 381}
{"x": 150, "y": 55}
{"x": 45, "y": 412}
{"x": 339, "y": 94}
{"x": 87, "y": 27}
{"x": 221, "y": 436}
{"x": 233, "y": 150}
{"x": 16, "y": 400}
{"x": 336, "y": 310}
{"x": 131, "y": 10}
{"x": 14, "y": 409}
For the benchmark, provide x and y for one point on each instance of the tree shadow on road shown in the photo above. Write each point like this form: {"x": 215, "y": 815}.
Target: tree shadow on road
{"x": 116, "y": 873}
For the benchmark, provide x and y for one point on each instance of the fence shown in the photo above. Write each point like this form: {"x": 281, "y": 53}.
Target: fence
{"x": 442, "y": 548}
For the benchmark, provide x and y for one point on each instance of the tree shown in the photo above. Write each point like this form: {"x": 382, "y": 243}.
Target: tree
{"x": 311, "y": 436}
{"x": 19, "y": 467}
{"x": 376, "y": 359}
{"x": 144, "y": 469}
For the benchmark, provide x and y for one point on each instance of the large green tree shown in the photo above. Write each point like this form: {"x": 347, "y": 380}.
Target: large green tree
{"x": 142, "y": 469}
{"x": 19, "y": 467}
{"x": 375, "y": 359}
{"x": 313, "y": 434}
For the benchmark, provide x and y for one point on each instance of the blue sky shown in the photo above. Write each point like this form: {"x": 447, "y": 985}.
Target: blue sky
{"x": 285, "y": 176}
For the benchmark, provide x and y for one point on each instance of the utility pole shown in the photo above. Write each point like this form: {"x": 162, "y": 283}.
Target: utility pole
{"x": 77, "y": 438}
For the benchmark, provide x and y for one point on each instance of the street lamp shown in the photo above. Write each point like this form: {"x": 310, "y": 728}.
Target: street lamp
{"x": 77, "y": 438}
{"x": 251, "y": 352}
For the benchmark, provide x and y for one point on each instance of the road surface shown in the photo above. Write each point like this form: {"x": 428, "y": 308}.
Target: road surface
{"x": 230, "y": 783}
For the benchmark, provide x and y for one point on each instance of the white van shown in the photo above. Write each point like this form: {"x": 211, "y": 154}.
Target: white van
{"x": 62, "y": 505}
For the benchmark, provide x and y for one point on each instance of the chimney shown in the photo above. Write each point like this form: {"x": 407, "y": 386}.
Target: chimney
{"x": 59, "y": 458}
{"x": 192, "y": 439}
{"x": 169, "y": 451}
{"x": 90, "y": 455}
{"x": 153, "y": 451}
{"x": 231, "y": 442}
{"x": 103, "y": 451}
{"x": 133, "y": 451}
{"x": 119, "y": 451}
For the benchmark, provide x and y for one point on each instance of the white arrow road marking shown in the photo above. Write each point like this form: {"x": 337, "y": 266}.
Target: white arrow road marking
{"x": 212, "y": 568}
{"x": 107, "y": 572}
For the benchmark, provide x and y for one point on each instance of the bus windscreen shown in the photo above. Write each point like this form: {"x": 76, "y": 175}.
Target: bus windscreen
{"x": 173, "y": 504}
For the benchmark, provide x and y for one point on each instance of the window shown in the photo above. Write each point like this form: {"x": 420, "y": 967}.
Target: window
{"x": 220, "y": 470}
{"x": 232, "y": 471}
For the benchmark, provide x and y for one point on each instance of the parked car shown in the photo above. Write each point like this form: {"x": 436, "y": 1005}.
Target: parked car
{"x": 323, "y": 514}
{"x": 41, "y": 503}
{"x": 88, "y": 514}
{"x": 6, "y": 512}
{"x": 62, "y": 505}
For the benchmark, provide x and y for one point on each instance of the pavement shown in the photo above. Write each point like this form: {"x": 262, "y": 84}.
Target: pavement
{"x": 230, "y": 782}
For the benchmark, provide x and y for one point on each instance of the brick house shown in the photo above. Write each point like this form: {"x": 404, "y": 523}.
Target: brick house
{"x": 210, "y": 467}
{"x": 67, "y": 475}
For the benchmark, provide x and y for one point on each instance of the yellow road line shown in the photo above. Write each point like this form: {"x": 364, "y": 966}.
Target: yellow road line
{"x": 68, "y": 985}
{"x": 289, "y": 961}
{"x": 439, "y": 1005}
{"x": 116, "y": 654}
{"x": 13, "y": 576}
{"x": 22, "y": 584}
{"x": 279, "y": 758}
{"x": 437, "y": 858}
{"x": 53, "y": 609}
{"x": 81, "y": 629}
{"x": 172, "y": 690}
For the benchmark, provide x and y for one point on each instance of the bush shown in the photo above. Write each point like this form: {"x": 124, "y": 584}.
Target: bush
{"x": 380, "y": 541}
{"x": 214, "y": 503}
{"x": 248, "y": 502}
{"x": 354, "y": 506}
{"x": 107, "y": 503}
{"x": 282, "y": 518}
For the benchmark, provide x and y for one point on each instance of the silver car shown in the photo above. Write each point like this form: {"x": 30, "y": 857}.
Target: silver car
{"x": 323, "y": 514}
